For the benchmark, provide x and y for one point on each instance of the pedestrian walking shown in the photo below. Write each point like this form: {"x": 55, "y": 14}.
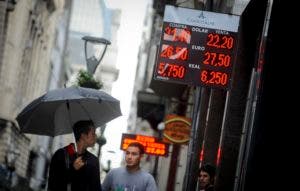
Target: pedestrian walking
{"x": 131, "y": 177}
{"x": 207, "y": 177}
{"x": 76, "y": 171}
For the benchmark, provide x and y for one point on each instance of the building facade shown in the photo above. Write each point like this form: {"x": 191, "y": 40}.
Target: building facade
{"x": 29, "y": 34}
{"x": 220, "y": 128}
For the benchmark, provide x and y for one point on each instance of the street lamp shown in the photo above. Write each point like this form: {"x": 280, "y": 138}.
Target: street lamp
{"x": 92, "y": 61}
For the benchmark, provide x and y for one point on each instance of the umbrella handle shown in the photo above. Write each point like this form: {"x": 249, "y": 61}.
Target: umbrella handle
{"x": 68, "y": 105}
{"x": 68, "y": 108}
{"x": 75, "y": 146}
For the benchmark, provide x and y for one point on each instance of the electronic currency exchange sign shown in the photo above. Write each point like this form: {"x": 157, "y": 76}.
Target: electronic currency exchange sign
{"x": 152, "y": 145}
{"x": 197, "y": 47}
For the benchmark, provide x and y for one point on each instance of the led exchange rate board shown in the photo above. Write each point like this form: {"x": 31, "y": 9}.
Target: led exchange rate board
{"x": 197, "y": 47}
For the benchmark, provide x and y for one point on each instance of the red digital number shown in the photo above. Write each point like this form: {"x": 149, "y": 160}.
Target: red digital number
{"x": 174, "y": 53}
{"x": 220, "y": 41}
{"x": 214, "y": 77}
{"x": 171, "y": 70}
{"x": 217, "y": 59}
{"x": 177, "y": 34}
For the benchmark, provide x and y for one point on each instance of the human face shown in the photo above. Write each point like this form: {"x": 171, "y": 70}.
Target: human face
{"x": 132, "y": 157}
{"x": 204, "y": 179}
{"x": 90, "y": 138}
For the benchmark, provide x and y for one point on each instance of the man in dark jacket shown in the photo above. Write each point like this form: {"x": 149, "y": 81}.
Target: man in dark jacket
{"x": 207, "y": 177}
{"x": 76, "y": 171}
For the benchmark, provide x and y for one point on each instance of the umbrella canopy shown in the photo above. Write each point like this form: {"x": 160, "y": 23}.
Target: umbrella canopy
{"x": 55, "y": 112}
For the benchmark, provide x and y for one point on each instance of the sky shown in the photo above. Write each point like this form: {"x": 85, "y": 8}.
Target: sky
{"x": 129, "y": 39}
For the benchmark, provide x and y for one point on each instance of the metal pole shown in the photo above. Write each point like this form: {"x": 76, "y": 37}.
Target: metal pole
{"x": 250, "y": 110}
{"x": 102, "y": 54}
{"x": 157, "y": 157}
{"x": 245, "y": 133}
{"x": 173, "y": 167}
{"x": 199, "y": 113}
{"x": 155, "y": 168}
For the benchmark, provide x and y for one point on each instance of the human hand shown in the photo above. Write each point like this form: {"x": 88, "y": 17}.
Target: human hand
{"x": 78, "y": 163}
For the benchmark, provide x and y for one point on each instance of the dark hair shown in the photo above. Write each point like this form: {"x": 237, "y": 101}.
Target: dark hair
{"x": 138, "y": 145}
{"x": 210, "y": 169}
{"x": 82, "y": 127}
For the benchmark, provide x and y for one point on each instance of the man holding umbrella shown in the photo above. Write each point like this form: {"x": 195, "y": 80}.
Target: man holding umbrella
{"x": 76, "y": 171}
{"x": 75, "y": 110}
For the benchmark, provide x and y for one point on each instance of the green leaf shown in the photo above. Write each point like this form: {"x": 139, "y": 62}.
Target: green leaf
{"x": 85, "y": 79}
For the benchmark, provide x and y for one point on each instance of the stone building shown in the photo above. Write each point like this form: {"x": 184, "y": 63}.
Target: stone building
{"x": 28, "y": 36}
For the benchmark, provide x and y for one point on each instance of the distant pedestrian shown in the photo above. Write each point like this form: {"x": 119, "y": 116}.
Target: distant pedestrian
{"x": 131, "y": 177}
{"x": 71, "y": 171}
{"x": 207, "y": 177}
